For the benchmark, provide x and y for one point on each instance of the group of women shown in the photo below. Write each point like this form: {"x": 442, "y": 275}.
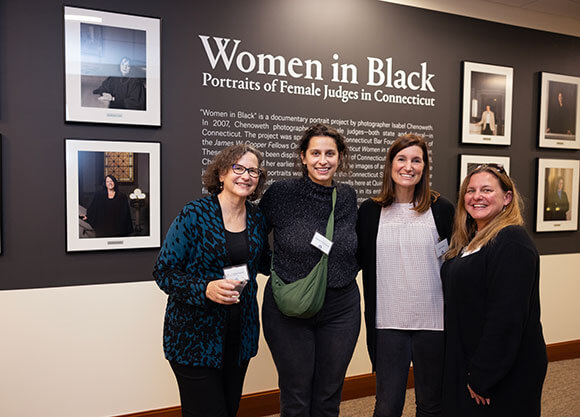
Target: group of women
{"x": 454, "y": 292}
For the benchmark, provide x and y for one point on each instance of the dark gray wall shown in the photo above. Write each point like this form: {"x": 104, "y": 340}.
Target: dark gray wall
{"x": 32, "y": 106}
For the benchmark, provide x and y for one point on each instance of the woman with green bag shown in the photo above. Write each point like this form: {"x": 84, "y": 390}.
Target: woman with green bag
{"x": 313, "y": 219}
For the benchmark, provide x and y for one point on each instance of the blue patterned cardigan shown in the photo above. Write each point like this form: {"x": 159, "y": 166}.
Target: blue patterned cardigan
{"x": 194, "y": 253}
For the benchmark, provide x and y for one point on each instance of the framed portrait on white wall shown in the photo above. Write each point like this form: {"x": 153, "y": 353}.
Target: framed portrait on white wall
{"x": 559, "y": 111}
{"x": 557, "y": 205}
{"x": 112, "y": 68}
{"x": 113, "y": 195}
{"x": 487, "y": 104}
{"x": 468, "y": 163}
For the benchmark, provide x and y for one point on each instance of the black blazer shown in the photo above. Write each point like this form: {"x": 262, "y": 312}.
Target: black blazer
{"x": 367, "y": 228}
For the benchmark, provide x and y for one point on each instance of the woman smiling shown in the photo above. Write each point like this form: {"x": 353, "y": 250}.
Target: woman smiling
{"x": 402, "y": 235}
{"x": 312, "y": 353}
{"x": 495, "y": 355}
{"x": 208, "y": 266}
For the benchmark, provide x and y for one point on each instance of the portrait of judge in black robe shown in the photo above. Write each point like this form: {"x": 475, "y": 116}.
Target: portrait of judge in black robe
{"x": 109, "y": 213}
{"x": 126, "y": 91}
{"x": 561, "y": 120}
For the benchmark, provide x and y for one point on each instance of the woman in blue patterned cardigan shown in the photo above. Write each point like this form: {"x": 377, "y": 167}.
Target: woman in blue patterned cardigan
{"x": 211, "y": 322}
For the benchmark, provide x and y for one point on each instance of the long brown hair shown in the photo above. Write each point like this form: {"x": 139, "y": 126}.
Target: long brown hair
{"x": 423, "y": 194}
{"x": 465, "y": 233}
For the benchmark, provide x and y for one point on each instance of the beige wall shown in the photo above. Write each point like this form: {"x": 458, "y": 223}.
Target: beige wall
{"x": 96, "y": 350}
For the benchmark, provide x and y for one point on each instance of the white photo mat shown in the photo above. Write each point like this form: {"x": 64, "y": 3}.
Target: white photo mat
{"x": 569, "y": 170}
{"x": 74, "y": 242}
{"x": 468, "y": 135}
{"x": 562, "y": 140}
{"x": 468, "y": 160}
{"x": 74, "y": 111}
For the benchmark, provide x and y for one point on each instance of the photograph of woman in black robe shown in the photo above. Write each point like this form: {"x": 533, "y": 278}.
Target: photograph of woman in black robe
{"x": 109, "y": 213}
{"x": 124, "y": 92}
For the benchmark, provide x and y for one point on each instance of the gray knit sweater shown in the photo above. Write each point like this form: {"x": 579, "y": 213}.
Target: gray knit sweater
{"x": 297, "y": 208}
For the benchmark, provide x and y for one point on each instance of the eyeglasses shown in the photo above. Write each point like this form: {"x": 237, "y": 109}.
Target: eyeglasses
{"x": 240, "y": 170}
{"x": 498, "y": 167}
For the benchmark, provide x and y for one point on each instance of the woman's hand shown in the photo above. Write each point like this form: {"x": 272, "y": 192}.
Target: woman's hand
{"x": 478, "y": 398}
{"x": 222, "y": 291}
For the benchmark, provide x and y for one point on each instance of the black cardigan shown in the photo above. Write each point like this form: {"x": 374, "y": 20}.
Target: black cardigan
{"x": 367, "y": 228}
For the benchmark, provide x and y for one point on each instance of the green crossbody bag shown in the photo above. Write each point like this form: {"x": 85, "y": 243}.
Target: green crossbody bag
{"x": 305, "y": 297}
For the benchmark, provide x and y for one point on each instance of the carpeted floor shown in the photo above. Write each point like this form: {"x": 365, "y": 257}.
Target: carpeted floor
{"x": 560, "y": 398}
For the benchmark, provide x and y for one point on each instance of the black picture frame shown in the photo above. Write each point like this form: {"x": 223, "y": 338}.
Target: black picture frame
{"x": 487, "y": 104}
{"x": 559, "y": 112}
{"x": 131, "y": 219}
{"x": 557, "y": 203}
{"x": 112, "y": 67}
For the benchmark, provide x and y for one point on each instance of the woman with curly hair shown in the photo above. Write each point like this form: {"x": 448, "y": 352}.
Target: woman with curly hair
{"x": 208, "y": 266}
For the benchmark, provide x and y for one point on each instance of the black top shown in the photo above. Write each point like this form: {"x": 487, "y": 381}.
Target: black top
{"x": 367, "y": 227}
{"x": 110, "y": 217}
{"x": 494, "y": 338}
{"x": 297, "y": 208}
{"x": 238, "y": 251}
{"x": 128, "y": 92}
{"x": 237, "y": 247}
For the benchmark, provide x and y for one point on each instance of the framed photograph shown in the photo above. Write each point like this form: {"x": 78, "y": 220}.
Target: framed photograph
{"x": 112, "y": 66}
{"x": 558, "y": 182}
{"x": 470, "y": 162}
{"x": 487, "y": 104}
{"x": 113, "y": 195}
{"x": 559, "y": 111}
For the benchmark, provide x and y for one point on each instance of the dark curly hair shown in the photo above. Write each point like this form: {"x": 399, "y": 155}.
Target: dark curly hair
{"x": 224, "y": 160}
{"x": 321, "y": 129}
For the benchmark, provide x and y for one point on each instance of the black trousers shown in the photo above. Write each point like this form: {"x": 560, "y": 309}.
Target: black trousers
{"x": 211, "y": 392}
{"x": 395, "y": 351}
{"x": 487, "y": 130}
{"x": 312, "y": 355}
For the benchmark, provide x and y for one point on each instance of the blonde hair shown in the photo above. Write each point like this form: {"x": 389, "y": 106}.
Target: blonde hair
{"x": 465, "y": 233}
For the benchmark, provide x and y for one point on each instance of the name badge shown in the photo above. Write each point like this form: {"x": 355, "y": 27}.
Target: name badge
{"x": 441, "y": 248}
{"x": 321, "y": 242}
{"x": 237, "y": 273}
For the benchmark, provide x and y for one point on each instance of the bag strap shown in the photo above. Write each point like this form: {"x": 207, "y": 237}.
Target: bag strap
{"x": 330, "y": 224}
{"x": 329, "y": 227}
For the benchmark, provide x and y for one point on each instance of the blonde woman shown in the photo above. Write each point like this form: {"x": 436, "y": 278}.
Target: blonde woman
{"x": 495, "y": 354}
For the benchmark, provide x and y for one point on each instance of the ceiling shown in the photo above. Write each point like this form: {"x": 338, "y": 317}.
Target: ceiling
{"x": 560, "y": 16}
{"x": 563, "y": 8}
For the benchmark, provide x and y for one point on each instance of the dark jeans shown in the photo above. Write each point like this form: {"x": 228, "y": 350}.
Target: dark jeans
{"x": 312, "y": 355}
{"x": 395, "y": 350}
{"x": 211, "y": 392}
